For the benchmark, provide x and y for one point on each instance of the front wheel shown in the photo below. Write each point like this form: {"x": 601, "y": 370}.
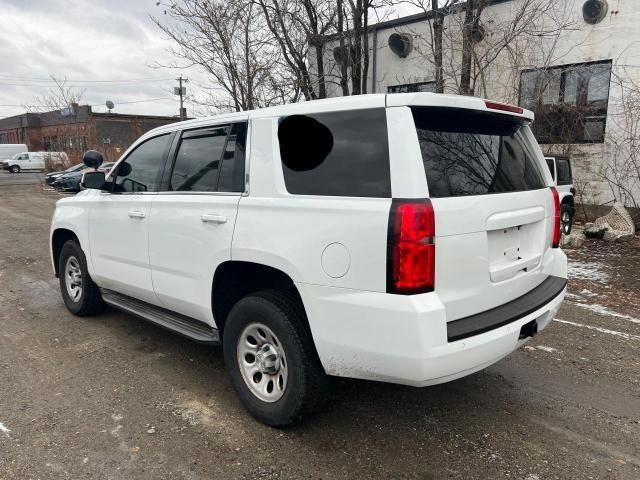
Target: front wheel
{"x": 81, "y": 296}
{"x": 566, "y": 219}
{"x": 14, "y": 169}
{"x": 271, "y": 359}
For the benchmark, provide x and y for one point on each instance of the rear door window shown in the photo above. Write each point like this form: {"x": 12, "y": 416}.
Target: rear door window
{"x": 210, "y": 159}
{"x": 550, "y": 164}
{"x": 564, "y": 172}
{"x": 342, "y": 154}
{"x": 468, "y": 152}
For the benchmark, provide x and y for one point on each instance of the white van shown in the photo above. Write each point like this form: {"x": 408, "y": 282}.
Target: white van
{"x": 10, "y": 150}
{"x": 32, "y": 161}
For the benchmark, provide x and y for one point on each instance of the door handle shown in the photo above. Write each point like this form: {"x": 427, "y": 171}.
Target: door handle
{"x": 213, "y": 218}
{"x": 136, "y": 214}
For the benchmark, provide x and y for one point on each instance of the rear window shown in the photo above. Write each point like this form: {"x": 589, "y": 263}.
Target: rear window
{"x": 564, "y": 172}
{"x": 342, "y": 154}
{"x": 550, "y": 164}
{"x": 467, "y": 152}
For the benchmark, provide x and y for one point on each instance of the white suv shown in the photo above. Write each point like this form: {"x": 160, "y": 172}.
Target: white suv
{"x": 407, "y": 238}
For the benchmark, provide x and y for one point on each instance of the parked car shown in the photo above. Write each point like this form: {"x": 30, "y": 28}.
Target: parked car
{"x": 50, "y": 177}
{"x": 31, "y": 161}
{"x": 72, "y": 181}
{"x": 560, "y": 168}
{"x": 9, "y": 150}
{"x": 409, "y": 238}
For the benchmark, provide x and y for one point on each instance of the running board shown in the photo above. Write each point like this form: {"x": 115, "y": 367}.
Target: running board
{"x": 181, "y": 324}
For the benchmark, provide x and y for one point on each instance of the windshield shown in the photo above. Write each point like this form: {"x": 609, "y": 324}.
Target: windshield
{"x": 468, "y": 152}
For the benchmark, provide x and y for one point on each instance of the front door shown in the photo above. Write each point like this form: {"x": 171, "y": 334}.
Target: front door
{"x": 192, "y": 220}
{"x": 119, "y": 222}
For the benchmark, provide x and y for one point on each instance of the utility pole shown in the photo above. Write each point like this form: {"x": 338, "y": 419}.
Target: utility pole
{"x": 182, "y": 91}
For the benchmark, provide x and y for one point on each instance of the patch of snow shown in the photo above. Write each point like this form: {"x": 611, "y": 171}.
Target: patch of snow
{"x": 602, "y": 310}
{"x": 588, "y": 293}
{"x": 4, "y": 429}
{"x": 626, "y": 336}
{"x": 592, "y": 271}
{"x": 575, "y": 297}
{"x": 544, "y": 348}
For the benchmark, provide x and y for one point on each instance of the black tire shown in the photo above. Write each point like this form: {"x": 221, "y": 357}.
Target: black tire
{"x": 89, "y": 301}
{"x": 14, "y": 169}
{"x": 306, "y": 389}
{"x": 566, "y": 218}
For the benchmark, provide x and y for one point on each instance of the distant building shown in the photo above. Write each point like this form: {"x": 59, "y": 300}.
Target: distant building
{"x": 583, "y": 84}
{"x": 77, "y": 129}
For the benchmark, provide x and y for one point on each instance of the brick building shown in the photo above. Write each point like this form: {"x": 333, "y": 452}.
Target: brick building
{"x": 77, "y": 129}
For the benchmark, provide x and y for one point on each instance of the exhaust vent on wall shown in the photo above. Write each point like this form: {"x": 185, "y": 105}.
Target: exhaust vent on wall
{"x": 401, "y": 44}
{"x": 594, "y": 11}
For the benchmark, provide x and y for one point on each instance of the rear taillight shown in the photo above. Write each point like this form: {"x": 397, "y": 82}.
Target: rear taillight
{"x": 505, "y": 107}
{"x": 411, "y": 252}
{"x": 555, "y": 234}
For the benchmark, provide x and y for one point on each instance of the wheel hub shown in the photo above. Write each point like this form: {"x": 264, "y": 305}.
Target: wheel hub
{"x": 263, "y": 362}
{"x": 268, "y": 359}
{"x": 73, "y": 278}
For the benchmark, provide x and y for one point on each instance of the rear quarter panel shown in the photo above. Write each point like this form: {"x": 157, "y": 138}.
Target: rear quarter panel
{"x": 333, "y": 241}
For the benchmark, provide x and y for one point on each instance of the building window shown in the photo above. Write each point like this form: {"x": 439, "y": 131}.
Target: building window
{"x": 413, "y": 87}
{"x": 570, "y": 102}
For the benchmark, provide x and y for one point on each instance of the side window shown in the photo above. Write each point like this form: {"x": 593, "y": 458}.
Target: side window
{"x": 232, "y": 170}
{"x": 198, "y": 160}
{"x": 564, "y": 172}
{"x": 339, "y": 153}
{"x": 210, "y": 159}
{"x": 140, "y": 171}
{"x": 551, "y": 168}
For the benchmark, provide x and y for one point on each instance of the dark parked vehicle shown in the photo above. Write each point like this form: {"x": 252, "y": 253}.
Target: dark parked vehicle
{"x": 50, "y": 177}
{"x": 71, "y": 181}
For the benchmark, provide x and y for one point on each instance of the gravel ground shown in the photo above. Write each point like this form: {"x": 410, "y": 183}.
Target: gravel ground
{"x": 112, "y": 397}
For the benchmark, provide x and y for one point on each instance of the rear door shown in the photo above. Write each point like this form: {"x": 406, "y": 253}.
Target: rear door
{"x": 193, "y": 218}
{"x": 493, "y": 208}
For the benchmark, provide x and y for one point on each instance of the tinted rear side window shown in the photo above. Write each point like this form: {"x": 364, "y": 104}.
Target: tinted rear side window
{"x": 564, "y": 172}
{"x": 339, "y": 153}
{"x": 550, "y": 164}
{"x": 474, "y": 153}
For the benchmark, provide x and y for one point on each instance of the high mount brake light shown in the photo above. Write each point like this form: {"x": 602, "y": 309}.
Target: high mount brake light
{"x": 505, "y": 107}
{"x": 410, "y": 247}
{"x": 555, "y": 234}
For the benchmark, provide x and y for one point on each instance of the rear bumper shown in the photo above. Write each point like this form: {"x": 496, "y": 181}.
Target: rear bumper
{"x": 405, "y": 339}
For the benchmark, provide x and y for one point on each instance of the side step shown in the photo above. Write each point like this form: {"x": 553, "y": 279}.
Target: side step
{"x": 181, "y": 324}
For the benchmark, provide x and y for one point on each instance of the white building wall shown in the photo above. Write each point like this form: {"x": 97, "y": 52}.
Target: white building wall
{"x": 615, "y": 38}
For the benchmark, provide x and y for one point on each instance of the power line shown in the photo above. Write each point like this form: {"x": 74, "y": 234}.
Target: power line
{"x": 49, "y": 80}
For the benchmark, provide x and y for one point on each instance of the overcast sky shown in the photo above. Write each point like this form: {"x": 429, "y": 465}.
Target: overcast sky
{"x": 106, "y": 47}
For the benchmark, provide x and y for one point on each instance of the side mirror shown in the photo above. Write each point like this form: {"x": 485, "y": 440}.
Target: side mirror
{"x": 92, "y": 158}
{"x": 93, "y": 180}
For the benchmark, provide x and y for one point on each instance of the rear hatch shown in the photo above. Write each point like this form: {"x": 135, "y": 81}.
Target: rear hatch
{"x": 493, "y": 207}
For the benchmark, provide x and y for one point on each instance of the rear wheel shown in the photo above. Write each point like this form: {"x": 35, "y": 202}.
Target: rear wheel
{"x": 14, "y": 169}
{"x": 81, "y": 296}
{"x": 566, "y": 219}
{"x": 271, "y": 359}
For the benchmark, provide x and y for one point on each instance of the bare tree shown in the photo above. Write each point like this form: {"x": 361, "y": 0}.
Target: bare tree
{"x": 60, "y": 96}
{"x": 59, "y": 107}
{"x": 228, "y": 42}
{"x": 463, "y": 40}
{"x": 622, "y": 170}
{"x": 295, "y": 25}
